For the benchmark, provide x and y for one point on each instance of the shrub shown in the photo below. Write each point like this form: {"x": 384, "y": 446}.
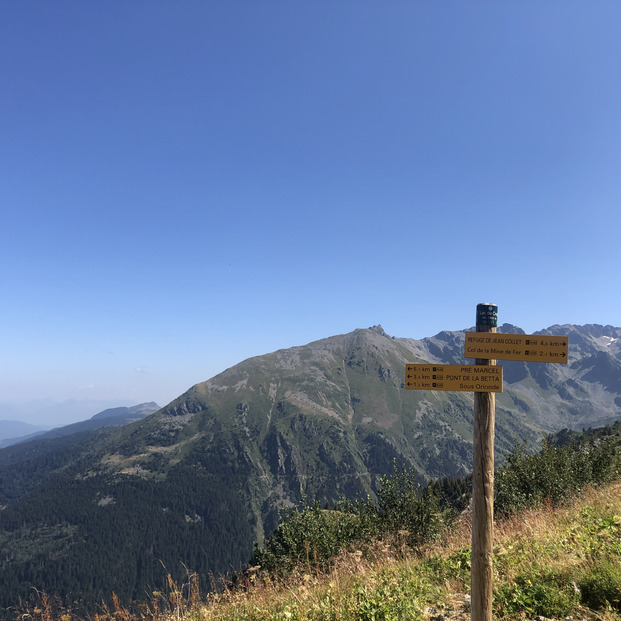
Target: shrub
{"x": 546, "y": 595}
{"x": 553, "y": 474}
{"x": 308, "y": 535}
{"x": 601, "y": 586}
{"x": 403, "y": 505}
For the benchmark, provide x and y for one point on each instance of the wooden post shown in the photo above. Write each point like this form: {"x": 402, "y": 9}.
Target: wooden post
{"x": 483, "y": 484}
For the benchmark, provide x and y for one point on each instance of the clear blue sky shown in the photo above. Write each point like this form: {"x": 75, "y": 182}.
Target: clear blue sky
{"x": 187, "y": 184}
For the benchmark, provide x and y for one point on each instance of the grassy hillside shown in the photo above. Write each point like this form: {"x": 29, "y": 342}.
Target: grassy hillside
{"x": 548, "y": 562}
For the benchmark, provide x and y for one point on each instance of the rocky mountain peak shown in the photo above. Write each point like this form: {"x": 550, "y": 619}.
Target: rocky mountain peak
{"x": 379, "y": 330}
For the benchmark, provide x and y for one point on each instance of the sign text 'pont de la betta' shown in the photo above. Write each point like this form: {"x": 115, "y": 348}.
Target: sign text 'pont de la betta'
{"x": 525, "y": 347}
{"x": 472, "y": 378}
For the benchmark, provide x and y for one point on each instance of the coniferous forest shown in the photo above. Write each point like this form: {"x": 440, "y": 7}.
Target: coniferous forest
{"x": 68, "y": 533}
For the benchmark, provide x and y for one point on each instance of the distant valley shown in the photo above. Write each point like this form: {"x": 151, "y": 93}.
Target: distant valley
{"x": 195, "y": 483}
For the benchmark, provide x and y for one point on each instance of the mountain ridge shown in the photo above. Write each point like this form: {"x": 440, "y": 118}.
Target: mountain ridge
{"x": 109, "y": 417}
{"x": 11, "y": 429}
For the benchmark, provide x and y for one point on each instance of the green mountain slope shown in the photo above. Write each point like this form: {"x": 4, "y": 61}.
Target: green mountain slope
{"x": 197, "y": 482}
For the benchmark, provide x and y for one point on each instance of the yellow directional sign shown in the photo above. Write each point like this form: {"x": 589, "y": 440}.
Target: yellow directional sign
{"x": 472, "y": 378}
{"x": 528, "y": 347}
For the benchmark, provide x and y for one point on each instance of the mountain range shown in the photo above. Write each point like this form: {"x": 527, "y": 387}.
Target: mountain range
{"x": 49, "y": 412}
{"x": 193, "y": 485}
{"x": 14, "y": 432}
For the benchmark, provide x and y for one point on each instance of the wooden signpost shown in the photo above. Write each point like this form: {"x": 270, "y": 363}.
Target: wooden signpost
{"x": 481, "y": 583}
{"x": 484, "y": 379}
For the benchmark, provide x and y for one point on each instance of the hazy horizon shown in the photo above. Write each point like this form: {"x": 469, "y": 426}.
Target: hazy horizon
{"x": 50, "y": 412}
{"x": 47, "y": 410}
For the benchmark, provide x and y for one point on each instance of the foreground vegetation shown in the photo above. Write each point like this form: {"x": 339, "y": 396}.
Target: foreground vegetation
{"x": 550, "y": 562}
{"x": 417, "y": 514}
{"x": 407, "y": 555}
